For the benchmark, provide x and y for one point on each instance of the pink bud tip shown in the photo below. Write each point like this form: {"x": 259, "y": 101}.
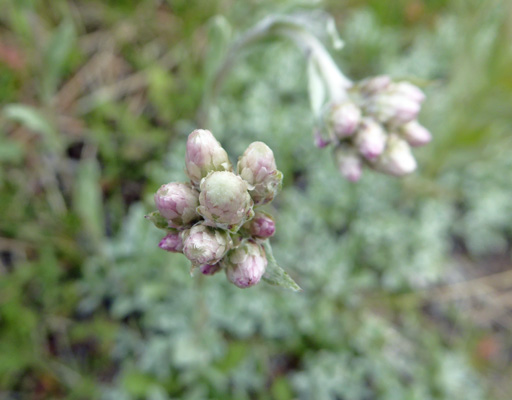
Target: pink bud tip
{"x": 171, "y": 242}
{"x": 177, "y": 202}
{"x": 262, "y": 226}
{"x": 415, "y": 134}
{"x": 345, "y": 118}
{"x": 209, "y": 269}
{"x": 349, "y": 163}
{"x": 245, "y": 265}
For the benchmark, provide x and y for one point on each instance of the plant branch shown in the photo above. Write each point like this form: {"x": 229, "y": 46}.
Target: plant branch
{"x": 282, "y": 26}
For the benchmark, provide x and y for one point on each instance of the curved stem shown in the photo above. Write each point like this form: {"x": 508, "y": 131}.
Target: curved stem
{"x": 336, "y": 82}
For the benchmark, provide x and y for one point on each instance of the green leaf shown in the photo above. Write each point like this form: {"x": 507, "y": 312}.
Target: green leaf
{"x": 157, "y": 219}
{"x": 219, "y": 36}
{"x": 334, "y": 35}
{"x": 88, "y": 200}
{"x": 57, "y": 53}
{"x": 10, "y": 151}
{"x": 317, "y": 91}
{"x": 36, "y": 121}
{"x": 275, "y": 275}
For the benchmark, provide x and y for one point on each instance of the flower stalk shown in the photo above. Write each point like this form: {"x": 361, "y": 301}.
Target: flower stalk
{"x": 365, "y": 115}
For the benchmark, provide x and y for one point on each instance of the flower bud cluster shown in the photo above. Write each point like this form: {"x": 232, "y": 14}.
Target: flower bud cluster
{"x": 214, "y": 219}
{"x": 376, "y": 126}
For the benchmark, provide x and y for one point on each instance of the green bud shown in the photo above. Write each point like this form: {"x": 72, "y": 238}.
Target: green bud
{"x": 205, "y": 245}
{"x": 225, "y": 201}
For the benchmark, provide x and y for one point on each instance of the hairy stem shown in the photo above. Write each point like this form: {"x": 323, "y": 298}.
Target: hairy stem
{"x": 282, "y": 26}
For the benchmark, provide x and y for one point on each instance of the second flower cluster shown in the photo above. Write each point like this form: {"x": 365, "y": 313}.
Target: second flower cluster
{"x": 214, "y": 219}
{"x": 376, "y": 125}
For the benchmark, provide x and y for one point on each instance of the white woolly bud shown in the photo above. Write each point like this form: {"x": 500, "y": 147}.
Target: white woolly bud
{"x": 370, "y": 139}
{"x": 397, "y": 158}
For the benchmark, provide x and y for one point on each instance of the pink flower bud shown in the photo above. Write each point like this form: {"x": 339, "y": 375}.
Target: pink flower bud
{"x": 209, "y": 269}
{"x": 374, "y": 85}
{"x": 349, "y": 163}
{"x": 204, "y": 245}
{"x": 177, "y": 202}
{"x": 415, "y": 134}
{"x": 257, "y": 166}
{"x": 245, "y": 265}
{"x": 172, "y": 242}
{"x": 398, "y": 104}
{"x": 344, "y": 119}
{"x": 395, "y": 109}
{"x": 224, "y": 200}
{"x": 370, "y": 139}
{"x": 204, "y": 154}
{"x": 261, "y": 226}
{"x": 408, "y": 90}
{"x": 397, "y": 158}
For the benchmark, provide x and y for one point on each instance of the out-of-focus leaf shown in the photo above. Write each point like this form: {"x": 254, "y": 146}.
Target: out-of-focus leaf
{"x": 56, "y": 55}
{"x": 275, "y": 275}
{"x": 88, "y": 200}
{"x": 219, "y": 35}
{"x": 10, "y": 151}
{"x": 34, "y": 120}
{"x": 317, "y": 92}
{"x": 157, "y": 219}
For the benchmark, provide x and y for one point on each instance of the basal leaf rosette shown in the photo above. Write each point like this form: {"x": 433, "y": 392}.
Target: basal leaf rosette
{"x": 204, "y": 155}
{"x": 225, "y": 201}
{"x": 257, "y": 166}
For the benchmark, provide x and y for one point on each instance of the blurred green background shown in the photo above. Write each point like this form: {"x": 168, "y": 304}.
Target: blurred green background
{"x": 407, "y": 283}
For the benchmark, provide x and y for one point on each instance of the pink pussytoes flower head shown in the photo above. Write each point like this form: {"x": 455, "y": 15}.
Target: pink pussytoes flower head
{"x": 349, "y": 163}
{"x": 177, "y": 202}
{"x": 205, "y": 245}
{"x": 397, "y": 158}
{"x": 262, "y": 226}
{"x": 172, "y": 242}
{"x": 257, "y": 166}
{"x": 370, "y": 139}
{"x": 224, "y": 200}
{"x": 209, "y": 269}
{"x": 344, "y": 119}
{"x": 245, "y": 264}
{"x": 415, "y": 134}
{"x": 204, "y": 154}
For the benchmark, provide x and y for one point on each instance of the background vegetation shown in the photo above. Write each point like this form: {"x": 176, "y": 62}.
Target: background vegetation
{"x": 407, "y": 283}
